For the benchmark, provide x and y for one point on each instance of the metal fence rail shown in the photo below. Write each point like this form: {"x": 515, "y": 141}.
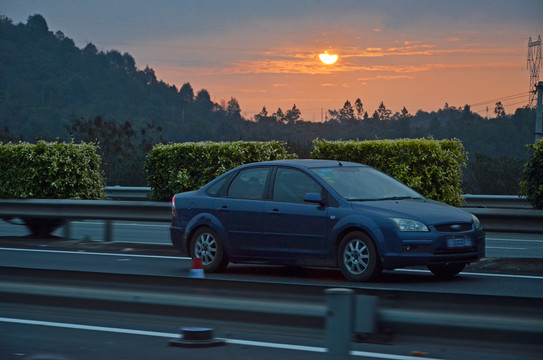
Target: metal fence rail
{"x": 372, "y": 314}
{"x": 132, "y": 193}
{"x": 471, "y": 201}
{"x": 496, "y": 201}
{"x": 492, "y": 219}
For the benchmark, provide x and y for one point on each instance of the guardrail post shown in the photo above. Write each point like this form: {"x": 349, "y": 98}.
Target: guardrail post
{"x": 339, "y": 303}
{"x": 365, "y": 311}
{"x": 108, "y": 230}
{"x": 68, "y": 229}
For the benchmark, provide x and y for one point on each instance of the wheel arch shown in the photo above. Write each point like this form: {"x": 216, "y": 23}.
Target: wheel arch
{"x": 364, "y": 225}
{"x": 206, "y": 220}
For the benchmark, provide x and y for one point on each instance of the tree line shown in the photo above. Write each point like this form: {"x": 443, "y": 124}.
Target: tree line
{"x": 52, "y": 90}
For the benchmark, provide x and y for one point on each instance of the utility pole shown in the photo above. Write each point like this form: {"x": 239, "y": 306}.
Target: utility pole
{"x": 533, "y": 64}
{"x": 538, "y": 112}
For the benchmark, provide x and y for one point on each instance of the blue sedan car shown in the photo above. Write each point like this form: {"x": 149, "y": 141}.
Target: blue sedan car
{"x": 322, "y": 213}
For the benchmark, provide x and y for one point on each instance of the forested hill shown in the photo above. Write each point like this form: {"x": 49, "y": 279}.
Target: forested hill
{"x": 51, "y": 89}
{"x": 46, "y": 82}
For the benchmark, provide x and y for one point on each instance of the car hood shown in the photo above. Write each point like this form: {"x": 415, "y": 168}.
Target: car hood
{"x": 426, "y": 211}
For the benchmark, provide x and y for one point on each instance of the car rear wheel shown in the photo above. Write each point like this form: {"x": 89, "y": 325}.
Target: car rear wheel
{"x": 357, "y": 257}
{"x": 446, "y": 270}
{"x": 207, "y": 245}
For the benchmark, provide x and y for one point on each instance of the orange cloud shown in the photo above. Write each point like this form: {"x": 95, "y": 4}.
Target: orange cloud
{"x": 252, "y": 91}
{"x": 387, "y": 77}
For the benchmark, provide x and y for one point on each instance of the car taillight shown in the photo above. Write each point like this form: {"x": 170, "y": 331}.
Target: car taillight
{"x": 174, "y": 213}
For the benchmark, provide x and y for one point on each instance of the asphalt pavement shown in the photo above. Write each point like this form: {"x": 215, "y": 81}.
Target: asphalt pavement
{"x": 518, "y": 266}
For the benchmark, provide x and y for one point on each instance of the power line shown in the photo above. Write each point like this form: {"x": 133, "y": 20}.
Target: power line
{"x": 484, "y": 110}
{"x": 502, "y": 98}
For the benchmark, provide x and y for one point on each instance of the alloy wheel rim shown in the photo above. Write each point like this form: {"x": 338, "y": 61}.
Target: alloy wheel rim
{"x": 206, "y": 248}
{"x": 356, "y": 257}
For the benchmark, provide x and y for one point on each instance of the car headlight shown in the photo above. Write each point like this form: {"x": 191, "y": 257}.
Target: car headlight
{"x": 409, "y": 225}
{"x": 476, "y": 222}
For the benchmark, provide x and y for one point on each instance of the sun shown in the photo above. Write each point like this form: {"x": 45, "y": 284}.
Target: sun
{"x": 327, "y": 58}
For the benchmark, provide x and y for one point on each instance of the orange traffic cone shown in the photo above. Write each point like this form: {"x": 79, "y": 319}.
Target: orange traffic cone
{"x": 197, "y": 270}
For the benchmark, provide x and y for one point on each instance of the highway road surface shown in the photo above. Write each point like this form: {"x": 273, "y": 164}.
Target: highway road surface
{"x": 31, "y": 331}
{"x": 499, "y": 245}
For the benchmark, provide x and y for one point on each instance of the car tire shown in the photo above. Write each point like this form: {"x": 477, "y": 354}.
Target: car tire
{"x": 207, "y": 244}
{"x": 358, "y": 258}
{"x": 446, "y": 271}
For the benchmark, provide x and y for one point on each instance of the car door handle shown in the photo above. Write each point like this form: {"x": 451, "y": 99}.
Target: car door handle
{"x": 274, "y": 212}
{"x": 224, "y": 208}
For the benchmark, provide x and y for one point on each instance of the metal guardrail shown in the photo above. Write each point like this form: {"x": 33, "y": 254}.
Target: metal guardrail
{"x": 509, "y": 220}
{"x": 492, "y": 219}
{"x": 131, "y": 193}
{"x": 472, "y": 201}
{"x": 107, "y": 210}
{"x": 376, "y": 315}
{"x": 87, "y": 209}
{"x": 496, "y": 201}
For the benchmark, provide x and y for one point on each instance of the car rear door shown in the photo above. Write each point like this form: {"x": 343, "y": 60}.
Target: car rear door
{"x": 241, "y": 211}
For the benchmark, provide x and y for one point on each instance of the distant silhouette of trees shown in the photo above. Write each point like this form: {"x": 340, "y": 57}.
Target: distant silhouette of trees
{"x": 49, "y": 89}
{"x": 122, "y": 148}
{"x": 359, "y": 108}
{"x": 293, "y": 115}
{"x": 499, "y": 110}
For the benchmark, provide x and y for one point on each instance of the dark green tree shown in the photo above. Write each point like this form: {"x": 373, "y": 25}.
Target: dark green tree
{"x": 532, "y": 180}
{"x": 262, "y": 115}
{"x": 37, "y": 24}
{"x": 499, "y": 110}
{"x": 346, "y": 113}
{"x": 233, "y": 110}
{"x": 383, "y": 113}
{"x": 186, "y": 93}
{"x": 293, "y": 115}
{"x": 279, "y": 115}
{"x": 404, "y": 114}
{"x": 359, "y": 108}
{"x": 121, "y": 147}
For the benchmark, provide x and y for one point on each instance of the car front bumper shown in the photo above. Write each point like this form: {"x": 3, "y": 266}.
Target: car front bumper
{"x": 434, "y": 253}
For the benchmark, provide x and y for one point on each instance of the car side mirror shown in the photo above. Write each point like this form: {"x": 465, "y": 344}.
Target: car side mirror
{"x": 314, "y": 198}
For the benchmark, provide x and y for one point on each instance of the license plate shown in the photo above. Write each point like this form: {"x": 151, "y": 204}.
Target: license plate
{"x": 459, "y": 242}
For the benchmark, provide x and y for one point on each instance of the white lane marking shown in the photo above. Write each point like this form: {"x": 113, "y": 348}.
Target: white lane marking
{"x": 515, "y": 240}
{"x": 173, "y": 257}
{"x": 93, "y": 253}
{"x": 505, "y": 248}
{"x": 231, "y": 341}
{"x": 480, "y": 274}
{"x": 122, "y": 224}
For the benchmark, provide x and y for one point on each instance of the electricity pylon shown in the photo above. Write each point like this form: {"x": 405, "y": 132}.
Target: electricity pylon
{"x": 534, "y": 64}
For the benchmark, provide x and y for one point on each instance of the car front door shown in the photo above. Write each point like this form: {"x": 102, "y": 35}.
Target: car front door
{"x": 294, "y": 229}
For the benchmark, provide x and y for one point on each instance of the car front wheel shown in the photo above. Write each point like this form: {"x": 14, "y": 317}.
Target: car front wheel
{"x": 207, "y": 245}
{"x": 446, "y": 271}
{"x": 357, "y": 257}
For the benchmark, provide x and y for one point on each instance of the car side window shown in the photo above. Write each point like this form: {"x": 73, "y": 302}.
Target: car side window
{"x": 217, "y": 188}
{"x": 291, "y": 186}
{"x": 249, "y": 184}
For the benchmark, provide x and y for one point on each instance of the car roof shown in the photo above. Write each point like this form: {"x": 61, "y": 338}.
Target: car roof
{"x": 309, "y": 163}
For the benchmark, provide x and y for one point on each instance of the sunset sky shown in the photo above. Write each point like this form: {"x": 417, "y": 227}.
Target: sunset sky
{"x": 419, "y": 54}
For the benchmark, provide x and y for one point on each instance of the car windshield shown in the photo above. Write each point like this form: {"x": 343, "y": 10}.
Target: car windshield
{"x": 362, "y": 183}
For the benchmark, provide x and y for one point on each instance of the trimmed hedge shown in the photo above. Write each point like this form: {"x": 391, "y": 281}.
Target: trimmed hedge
{"x": 431, "y": 167}
{"x": 532, "y": 184}
{"x": 182, "y": 167}
{"x": 50, "y": 170}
